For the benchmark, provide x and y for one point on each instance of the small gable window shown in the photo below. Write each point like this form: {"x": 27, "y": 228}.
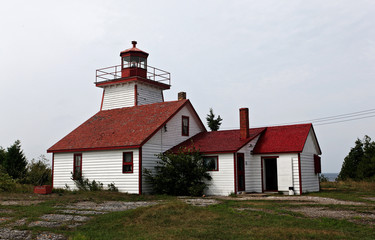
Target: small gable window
{"x": 77, "y": 166}
{"x": 317, "y": 164}
{"x": 127, "y": 162}
{"x": 185, "y": 126}
{"x": 211, "y": 163}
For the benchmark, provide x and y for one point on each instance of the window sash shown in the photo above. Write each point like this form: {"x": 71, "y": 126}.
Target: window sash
{"x": 77, "y": 166}
{"x": 127, "y": 162}
{"x": 185, "y": 126}
{"x": 211, "y": 162}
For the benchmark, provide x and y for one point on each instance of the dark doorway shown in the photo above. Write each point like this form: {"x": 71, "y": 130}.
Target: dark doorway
{"x": 270, "y": 171}
{"x": 241, "y": 171}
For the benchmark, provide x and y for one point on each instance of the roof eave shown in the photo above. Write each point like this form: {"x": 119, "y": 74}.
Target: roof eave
{"x": 92, "y": 149}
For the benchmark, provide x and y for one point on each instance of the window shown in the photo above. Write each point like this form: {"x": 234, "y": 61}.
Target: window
{"x": 77, "y": 166}
{"x": 317, "y": 164}
{"x": 127, "y": 162}
{"x": 185, "y": 126}
{"x": 211, "y": 163}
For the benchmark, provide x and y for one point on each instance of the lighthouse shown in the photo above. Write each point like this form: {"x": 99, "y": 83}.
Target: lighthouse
{"x": 133, "y": 82}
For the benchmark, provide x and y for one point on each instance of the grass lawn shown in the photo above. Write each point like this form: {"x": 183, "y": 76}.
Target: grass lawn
{"x": 172, "y": 218}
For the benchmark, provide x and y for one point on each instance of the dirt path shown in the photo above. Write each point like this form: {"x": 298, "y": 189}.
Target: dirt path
{"x": 71, "y": 216}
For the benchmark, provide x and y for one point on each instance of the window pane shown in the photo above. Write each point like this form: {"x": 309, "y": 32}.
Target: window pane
{"x": 128, "y": 157}
{"x": 128, "y": 168}
{"x": 185, "y": 126}
{"x": 210, "y": 163}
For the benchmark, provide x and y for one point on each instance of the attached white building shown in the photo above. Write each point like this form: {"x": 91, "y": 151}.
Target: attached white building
{"x": 269, "y": 159}
{"x": 135, "y": 123}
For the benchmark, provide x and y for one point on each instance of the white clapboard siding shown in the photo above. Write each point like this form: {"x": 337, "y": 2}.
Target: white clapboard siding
{"x": 310, "y": 180}
{"x": 253, "y": 174}
{"x": 148, "y": 94}
{"x": 165, "y": 140}
{"x": 102, "y": 166}
{"x": 295, "y": 173}
{"x": 222, "y": 182}
{"x": 118, "y": 96}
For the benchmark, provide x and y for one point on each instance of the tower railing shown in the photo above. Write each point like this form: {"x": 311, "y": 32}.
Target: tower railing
{"x": 114, "y": 72}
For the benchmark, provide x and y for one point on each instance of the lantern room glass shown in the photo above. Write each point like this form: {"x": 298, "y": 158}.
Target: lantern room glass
{"x": 134, "y": 62}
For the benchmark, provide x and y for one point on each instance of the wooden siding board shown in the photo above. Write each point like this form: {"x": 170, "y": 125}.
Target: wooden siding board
{"x": 165, "y": 140}
{"x": 222, "y": 182}
{"x": 102, "y": 166}
{"x": 253, "y": 175}
{"x": 296, "y": 176}
{"x": 310, "y": 180}
{"x": 118, "y": 96}
{"x": 148, "y": 94}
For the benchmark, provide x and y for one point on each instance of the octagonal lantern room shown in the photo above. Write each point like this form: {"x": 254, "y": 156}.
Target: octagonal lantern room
{"x": 133, "y": 62}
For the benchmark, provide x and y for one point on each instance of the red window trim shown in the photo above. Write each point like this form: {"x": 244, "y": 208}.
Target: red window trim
{"x": 182, "y": 126}
{"x": 217, "y": 163}
{"x": 127, "y": 163}
{"x": 74, "y": 165}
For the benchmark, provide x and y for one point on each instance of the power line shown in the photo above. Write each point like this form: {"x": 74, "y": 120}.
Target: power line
{"x": 335, "y": 117}
{"x": 332, "y": 119}
{"x": 319, "y": 124}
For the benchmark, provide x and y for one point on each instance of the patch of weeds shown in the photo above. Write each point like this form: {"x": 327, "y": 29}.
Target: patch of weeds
{"x": 232, "y": 194}
{"x": 112, "y": 187}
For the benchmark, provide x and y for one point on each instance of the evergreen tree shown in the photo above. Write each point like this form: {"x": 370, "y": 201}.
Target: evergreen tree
{"x": 359, "y": 164}
{"x": 2, "y": 156}
{"x": 15, "y": 161}
{"x": 366, "y": 167}
{"x": 213, "y": 124}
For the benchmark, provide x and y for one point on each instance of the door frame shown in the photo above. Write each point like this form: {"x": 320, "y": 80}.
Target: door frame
{"x": 240, "y": 173}
{"x": 263, "y": 158}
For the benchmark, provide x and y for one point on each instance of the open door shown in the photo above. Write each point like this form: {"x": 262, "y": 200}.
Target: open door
{"x": 241, "y": 172}
{"x": 270, "y": 174}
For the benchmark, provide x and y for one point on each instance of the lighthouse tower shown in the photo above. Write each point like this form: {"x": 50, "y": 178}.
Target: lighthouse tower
{"x": 133, "y": 82}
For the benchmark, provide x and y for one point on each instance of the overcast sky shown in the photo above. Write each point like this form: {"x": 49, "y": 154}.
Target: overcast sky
{"x": 285, "y": 60}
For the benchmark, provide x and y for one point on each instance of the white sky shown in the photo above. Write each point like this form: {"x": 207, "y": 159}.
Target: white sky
{"x": 285, "y": 60}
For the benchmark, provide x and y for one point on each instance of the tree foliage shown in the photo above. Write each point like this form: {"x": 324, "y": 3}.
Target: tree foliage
{"x": 180, "y": 174}
{"x": 2, "y": 156}
{"x": 359, "y": 164}
{"x": 15, "y": 161}
{"x": 213, "y": 124}
{"x": 39, "y": 172}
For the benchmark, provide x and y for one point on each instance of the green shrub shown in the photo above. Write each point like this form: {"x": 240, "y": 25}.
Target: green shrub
{"x": 7, "y": 184}
{"x": 38, "y": 172}
{"x": 84, "y": 184}
{"x": 180, "y": 174}
{"x": 112, "y": 187}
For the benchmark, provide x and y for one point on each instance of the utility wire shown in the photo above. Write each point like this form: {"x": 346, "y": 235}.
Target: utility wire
{"x": 332, "y": 119}
{"x": 341, "y": 116}
{"x": 319, "y": 124}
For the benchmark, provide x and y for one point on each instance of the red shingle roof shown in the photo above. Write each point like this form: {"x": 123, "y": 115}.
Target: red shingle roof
{"x": 282, "y": 139}
{"x": 218, "y": 141}
{"x": 119, "y": 128}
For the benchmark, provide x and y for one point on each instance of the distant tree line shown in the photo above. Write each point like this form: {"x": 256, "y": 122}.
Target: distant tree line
{"x": 14, "y": 168}
{"x": 359, "y": 164}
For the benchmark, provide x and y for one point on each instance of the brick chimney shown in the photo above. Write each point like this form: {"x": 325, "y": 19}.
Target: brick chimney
{"x": 244, "y": 123}
{"x": 181, "y": 95}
